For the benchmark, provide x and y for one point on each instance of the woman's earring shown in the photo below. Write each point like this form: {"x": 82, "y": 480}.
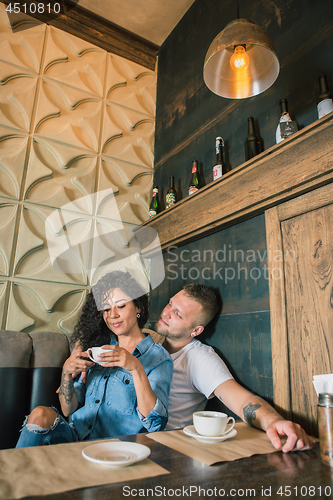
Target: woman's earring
{"x": 138, "y": 315}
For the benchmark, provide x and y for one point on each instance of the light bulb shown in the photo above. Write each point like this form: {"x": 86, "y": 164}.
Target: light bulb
{"x": 239, "y": 59}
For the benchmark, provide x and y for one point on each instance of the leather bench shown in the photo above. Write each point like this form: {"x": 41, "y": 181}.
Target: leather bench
{"x": 30, "y": 371}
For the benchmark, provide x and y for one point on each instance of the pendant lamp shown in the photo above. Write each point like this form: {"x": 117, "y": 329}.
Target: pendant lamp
{"x": 241, "y": 61}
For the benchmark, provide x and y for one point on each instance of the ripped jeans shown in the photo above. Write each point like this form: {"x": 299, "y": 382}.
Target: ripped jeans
{"x": 60, "y": 432}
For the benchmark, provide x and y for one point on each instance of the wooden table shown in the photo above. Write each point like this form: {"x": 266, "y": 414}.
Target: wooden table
{"x": 274, "y": 475}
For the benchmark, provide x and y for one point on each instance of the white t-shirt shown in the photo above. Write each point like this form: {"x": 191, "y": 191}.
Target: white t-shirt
{"x": 197, "y": 372}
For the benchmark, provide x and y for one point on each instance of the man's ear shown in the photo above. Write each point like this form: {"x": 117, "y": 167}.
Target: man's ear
{"x": 196, "y": 331}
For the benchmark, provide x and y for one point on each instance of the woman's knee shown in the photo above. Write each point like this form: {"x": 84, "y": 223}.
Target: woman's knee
{"x": 42, "y": 416}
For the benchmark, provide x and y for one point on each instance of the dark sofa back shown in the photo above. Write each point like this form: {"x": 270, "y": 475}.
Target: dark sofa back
{"x": 30, "y": 371}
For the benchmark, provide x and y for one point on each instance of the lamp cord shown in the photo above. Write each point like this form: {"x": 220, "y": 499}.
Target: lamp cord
{"x": 237, "y": 10}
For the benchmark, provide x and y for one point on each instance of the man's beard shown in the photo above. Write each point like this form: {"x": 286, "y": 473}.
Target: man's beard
{"x": 167, "y": 334}
{"x": 158, "y": 330}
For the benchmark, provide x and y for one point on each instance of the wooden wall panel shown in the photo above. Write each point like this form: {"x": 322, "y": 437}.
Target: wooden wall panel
{"x": 279, "y": 336}
{"x": 309, "y": 291}
{"x": 299, "y": 231}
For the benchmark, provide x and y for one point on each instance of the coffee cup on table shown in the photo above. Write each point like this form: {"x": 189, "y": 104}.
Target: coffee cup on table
{"x": 94, "y": 352}
{"x": 212, "y": 423}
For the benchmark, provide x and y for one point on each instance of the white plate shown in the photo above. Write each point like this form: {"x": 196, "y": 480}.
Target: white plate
{"x": 190, "y": 431}
{"x": 116, "y": 454}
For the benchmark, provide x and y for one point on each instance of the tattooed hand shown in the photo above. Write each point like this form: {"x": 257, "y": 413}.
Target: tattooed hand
{"x": 66, "y": 389}
{"x": 77, "y": 362}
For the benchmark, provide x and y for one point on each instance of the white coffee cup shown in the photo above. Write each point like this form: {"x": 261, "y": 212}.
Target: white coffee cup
{"x": 212, "y": 423}
{"x": 94, "y": 352}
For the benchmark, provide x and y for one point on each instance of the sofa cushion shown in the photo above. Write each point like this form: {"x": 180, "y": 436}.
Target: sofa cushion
{"x": 15, "y": 349}
{"x": 15, "y": 384}
{"x": 30, "y": 371}
{"x": 50, "y": 351}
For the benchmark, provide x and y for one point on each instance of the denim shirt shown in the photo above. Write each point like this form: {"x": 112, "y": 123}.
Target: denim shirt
{"x": 108, "y": 399}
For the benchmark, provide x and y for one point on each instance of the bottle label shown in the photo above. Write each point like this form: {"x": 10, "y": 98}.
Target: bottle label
{"x": 170, "y": 199}
{"x": 287, "y": 129}
{"x": 217, "y": 172}
{"x": 152, "y": 213}
{"x": 194, "y": 169}
{"x": 325, "y": 107}
{"x": 192, "y": 190}
{"x": 218, "y": 143}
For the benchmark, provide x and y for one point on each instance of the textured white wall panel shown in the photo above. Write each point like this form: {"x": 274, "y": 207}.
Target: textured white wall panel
{"x": 58, "y": 174}
{"x": 18, "y": 90}
{"x": 3, "y": 295}
{"x": 32, "y": 304}
{"x": 133, "y": 144}
{"x": 68, "y": 115}
{"x": 8, "y": 217}
{"x": 32, "y": 256}
{"x": 22, "y": 46}
{"x": 131, "y": 85}
{"x": 13, "y": 151}
{"x": 132, "y": 185}
{"x": 75, "y": 62}
{"x": 74, "y": 120}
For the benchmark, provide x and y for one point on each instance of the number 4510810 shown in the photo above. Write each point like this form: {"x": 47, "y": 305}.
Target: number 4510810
{"x": 304, "y": 491}
{"x": 33, "y": 8}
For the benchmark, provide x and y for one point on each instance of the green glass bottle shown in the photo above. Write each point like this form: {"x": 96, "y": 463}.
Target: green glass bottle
{"x": 171, "y": 196}
{"x": 252, "y": 142}
{"x": 155, "y": 206}
{"x": 195, "y": 181}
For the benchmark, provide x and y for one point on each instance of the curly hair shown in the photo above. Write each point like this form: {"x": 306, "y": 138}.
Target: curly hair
{"x": 91, "y": 329}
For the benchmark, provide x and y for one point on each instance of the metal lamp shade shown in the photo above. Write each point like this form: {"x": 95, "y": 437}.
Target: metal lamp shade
{"x": 263, "y": 68}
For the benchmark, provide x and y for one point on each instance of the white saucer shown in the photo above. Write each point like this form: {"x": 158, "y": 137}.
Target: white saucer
{"x": 116, "y": 454}
{"x": 190, "y": 431}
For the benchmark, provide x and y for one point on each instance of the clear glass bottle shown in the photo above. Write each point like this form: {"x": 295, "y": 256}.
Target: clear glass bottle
{"x": 219, "y": 167}
{"x": 325, "y": 427}
{"x": 286, "y": 125}
{"x": 325, "y": 102}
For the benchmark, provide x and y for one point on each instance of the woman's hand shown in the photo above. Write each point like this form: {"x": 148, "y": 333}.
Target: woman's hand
{"x": 118, "y": 356}
{"x": 77, "y": 362}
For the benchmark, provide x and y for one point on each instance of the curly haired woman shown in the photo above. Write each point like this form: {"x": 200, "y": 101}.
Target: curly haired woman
{"x": 127, "y": 391}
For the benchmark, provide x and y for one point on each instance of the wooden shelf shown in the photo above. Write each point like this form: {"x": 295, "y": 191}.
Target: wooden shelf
{"x": 297, "y": 165}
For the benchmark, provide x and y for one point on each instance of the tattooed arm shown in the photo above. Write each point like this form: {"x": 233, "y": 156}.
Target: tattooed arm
{"x": 67, "y": 395}
{"x": 258, "y": 413}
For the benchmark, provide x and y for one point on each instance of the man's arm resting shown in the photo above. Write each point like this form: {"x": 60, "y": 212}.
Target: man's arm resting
{"x": 258, "y": 413}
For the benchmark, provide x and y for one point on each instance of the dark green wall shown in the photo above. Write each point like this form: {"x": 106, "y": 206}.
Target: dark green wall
{"x": 234, "y": 263}
{"x": 189, "y": 117}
